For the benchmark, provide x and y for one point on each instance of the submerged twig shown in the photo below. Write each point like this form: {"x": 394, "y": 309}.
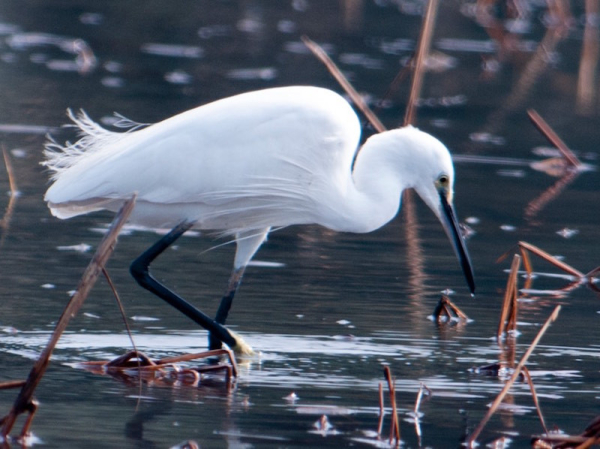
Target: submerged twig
{"x": 24, "y": 402}
{"x": 446, "y": 309}
{"x": 588, "y": 438}
{"x": 471, "y": 439}
{"x": 135, "y": 364}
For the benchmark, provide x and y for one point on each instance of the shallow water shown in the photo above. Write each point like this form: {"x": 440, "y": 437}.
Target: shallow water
{"x": 327, "y": 311}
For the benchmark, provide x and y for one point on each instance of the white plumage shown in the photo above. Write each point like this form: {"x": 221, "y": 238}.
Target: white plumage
{"x": 244, "y": 164}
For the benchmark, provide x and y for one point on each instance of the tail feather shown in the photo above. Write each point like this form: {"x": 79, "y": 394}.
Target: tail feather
{"x": 92, "y": 138}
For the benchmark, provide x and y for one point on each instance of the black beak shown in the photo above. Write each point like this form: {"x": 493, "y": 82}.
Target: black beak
{"x": 452, "y": 228}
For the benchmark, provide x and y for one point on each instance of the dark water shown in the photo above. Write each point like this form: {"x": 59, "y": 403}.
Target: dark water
{"x": 333, "y": 308}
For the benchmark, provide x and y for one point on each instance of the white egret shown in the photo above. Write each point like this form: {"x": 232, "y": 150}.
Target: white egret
{"x": 244, "y": 164}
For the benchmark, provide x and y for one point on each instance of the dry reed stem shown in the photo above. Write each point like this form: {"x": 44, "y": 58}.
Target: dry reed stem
{"x": 395, "y": 428}
{"x": 11, "y": 384}
{"x": 588, "y": 63}
{"x": 535, "y": 397}
{"x": 592, "y": 273}
{"x": 10, "y": 172}
{"x": 356, "y": 98}
{"x": 509, "y": 305}
{"x": 549, "y": 133}
{"x": 591, "y": 441}
{"x": 471, "y": 439}
{"x": 551, "y": 259}
{"x": 422, "y": 389}
{"x": 120, "y": 305}
{"x": 145, "y": 363}
{"x": 422, "y": 53}
{"x": 447, "y": 308}
{"x": 381, "y": 410}
{"x": 104, "y": 251}
{"x": 5, "y": 221}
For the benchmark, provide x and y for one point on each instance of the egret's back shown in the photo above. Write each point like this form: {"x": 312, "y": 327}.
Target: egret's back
{"x": 269, "y": 151}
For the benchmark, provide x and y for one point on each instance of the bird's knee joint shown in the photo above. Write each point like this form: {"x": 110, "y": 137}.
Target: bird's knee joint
{"x": 138, "y": 270}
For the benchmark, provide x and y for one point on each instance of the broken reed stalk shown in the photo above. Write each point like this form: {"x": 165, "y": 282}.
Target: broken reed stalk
{"x": 551, "y": 259}
{"x": 422, "y": 390}
{"x": 471, "y": 439}
{"x": 446, "y": 308}
{"x": 395, "y": 428}
{"x": 127, "y": 328}
{"x": 356, "y": 98}
{"x": 11, "y": 384}
{"x": 535, "y": 398}
{"x": 508, "y": 316}
{"x": 422, "y": 53}
{"x": 381, "y": 410}
{"x": 23, "y": 403}
{"x": 549, "y": 133}
{"x": 4, "y": 222}
{"x": 121, "y": 308}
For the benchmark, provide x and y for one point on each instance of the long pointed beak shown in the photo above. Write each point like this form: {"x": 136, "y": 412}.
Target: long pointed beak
{"x": 452, "y": 228}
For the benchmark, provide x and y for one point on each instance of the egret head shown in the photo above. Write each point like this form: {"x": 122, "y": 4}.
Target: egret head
{"x": 434, "y": 182}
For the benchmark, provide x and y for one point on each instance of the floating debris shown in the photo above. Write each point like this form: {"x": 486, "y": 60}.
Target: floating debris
{"x": 164, "y": 372}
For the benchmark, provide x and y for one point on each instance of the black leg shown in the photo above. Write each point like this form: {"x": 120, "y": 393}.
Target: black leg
{"x": 225, "y": 305}
{"x": 140, "y": 271}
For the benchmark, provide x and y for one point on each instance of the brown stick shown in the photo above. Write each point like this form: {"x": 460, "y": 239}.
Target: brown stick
{"x": 471, "y": 439}
{"x": 422, "y": 53}
{"x": 121, "y": 308}
{"x": 395, "y": 430}
{"x": 11, "y": 384}
{"x": 105, "y": 249}
{"x": 549, "y": 133}
{"x": 551, "y": 259}
{"x": 535, "y": 398}
{"x": 4, "y": 223}
{"x": 356, "y": 98}
{"x": 381, "y": 409}
{"x": 508, "y": 295}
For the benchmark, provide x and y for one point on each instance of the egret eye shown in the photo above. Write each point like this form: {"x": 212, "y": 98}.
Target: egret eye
{"x": 443, "y": 181}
